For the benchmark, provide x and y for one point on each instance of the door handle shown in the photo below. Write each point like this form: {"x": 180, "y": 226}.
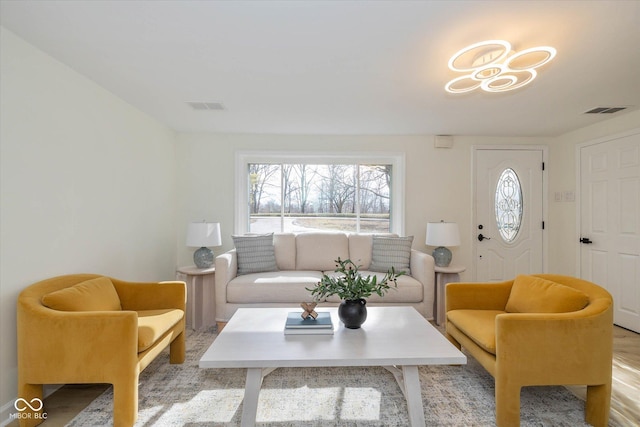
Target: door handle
{"x": 585, "y": 240}
{"x": 481, "y": 237}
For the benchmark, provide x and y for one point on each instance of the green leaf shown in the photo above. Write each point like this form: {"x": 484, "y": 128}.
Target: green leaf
{"x": 351, "y": 284}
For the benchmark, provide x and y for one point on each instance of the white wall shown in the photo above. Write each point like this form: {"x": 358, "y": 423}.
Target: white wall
{"x": 87, "y": 185}
{"x": 438, "y": 181}
{"x": 563, "y": 235}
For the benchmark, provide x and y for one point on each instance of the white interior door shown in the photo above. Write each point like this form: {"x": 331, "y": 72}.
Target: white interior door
{"x": 509, "y": 216}
{"x": 610, "y": 223}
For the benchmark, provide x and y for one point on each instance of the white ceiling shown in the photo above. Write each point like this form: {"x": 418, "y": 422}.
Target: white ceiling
{"x": 341, "y": 67}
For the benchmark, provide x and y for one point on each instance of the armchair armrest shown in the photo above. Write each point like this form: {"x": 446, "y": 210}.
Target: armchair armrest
{"x": 226, "y": 270}
{"x": 70, "y": 340}
{"x": 422, "y": 267}
{"x": 151, "y": 295}
{"x": 477, "y": 296}
{"x": 581, "y": 340}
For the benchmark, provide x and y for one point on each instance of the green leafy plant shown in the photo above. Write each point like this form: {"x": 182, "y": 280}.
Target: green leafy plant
{"x": 351, "y": 285}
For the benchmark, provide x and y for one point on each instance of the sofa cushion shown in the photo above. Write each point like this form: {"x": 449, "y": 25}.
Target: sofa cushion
{"x": 319, "y": 251}
{"x": 360, "y": 249}
{"x": 390, "y": 252}
{"x": 152, "y": 324}
{"x": 284, "y": 245}
{"x": 409, "y": 290}
{"x": 530, "y": 294}
{"x": 97, "y": 294}
{"x": 479, "y": 325}
{"x": 255, "y": 253}
{"x": 273, "y": 287}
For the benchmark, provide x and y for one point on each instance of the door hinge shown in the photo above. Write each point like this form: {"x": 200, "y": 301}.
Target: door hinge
{"x": 542, "y": 165}
{"x": 543, "y": 225}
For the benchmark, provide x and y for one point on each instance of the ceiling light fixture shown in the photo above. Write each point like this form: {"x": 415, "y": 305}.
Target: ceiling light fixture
{"x": 491, "y": 69}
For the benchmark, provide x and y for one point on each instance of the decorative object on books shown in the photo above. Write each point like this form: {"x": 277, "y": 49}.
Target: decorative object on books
{"x": 309, "y": 309}
{"x": 298, "y": 325}
{"x": 294, "y": 320}
{"x": 353, "y": 288}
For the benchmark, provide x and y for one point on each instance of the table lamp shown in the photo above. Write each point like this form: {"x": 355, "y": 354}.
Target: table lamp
{"x": 442, "y": 234}
{"x": 200, "y": 235}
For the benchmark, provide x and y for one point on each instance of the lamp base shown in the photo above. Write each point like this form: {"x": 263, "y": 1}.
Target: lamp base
{"x": 442, "y": 256}
{"x": 203, "y": 258}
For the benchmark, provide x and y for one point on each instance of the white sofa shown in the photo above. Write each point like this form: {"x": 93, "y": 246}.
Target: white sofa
{"x": 301, "y": 260}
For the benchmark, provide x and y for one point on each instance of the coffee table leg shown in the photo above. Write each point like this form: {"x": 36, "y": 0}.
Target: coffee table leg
{"x": 251, "y": 392}
{"x": 413, "y": 394}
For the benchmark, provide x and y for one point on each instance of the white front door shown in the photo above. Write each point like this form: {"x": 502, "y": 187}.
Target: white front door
{"x": 509, "y": 217}
{"x": 610, "y": 223}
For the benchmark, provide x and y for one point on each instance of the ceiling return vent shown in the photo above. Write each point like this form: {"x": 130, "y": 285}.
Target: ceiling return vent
{"x": 204, "y": 106}
{"x": 605, "y": 110}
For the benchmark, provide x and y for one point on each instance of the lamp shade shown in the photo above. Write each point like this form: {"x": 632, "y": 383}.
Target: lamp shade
{"x": 443, "y": 234}
{"x": 203, "y": 234}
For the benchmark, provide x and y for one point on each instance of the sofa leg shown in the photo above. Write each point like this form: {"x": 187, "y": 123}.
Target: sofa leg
{"x": 29, "y": 392}
{"x": 177, "y": 349}
{"x": 507, "y": 404}
{"x": 221, "y": 326}
{"x": 598, "y": 404}
{"x": 125, "y": 402}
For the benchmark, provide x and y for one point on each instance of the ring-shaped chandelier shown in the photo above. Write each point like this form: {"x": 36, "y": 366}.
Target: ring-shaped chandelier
{"x": 490, "y": 68}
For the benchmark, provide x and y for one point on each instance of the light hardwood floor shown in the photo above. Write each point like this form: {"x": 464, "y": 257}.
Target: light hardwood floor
{"x": 63, "y": 405}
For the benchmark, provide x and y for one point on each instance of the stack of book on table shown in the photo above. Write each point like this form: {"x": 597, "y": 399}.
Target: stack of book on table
{"x": 296, "y": 325}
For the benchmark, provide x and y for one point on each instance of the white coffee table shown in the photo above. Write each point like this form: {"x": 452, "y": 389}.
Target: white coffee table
{"x": 396, "y": 338}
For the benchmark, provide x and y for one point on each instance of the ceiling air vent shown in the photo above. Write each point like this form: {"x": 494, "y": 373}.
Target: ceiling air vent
{"x": 605, "y": 110}
{"x": 202, "y": 106}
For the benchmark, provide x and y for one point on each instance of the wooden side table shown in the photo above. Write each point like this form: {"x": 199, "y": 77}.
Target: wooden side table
{"x": 201, "y": 302}
{"x": 444, "y": 275}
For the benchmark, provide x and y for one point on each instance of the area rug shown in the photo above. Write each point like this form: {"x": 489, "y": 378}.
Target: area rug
{"x": 185, "y": 395}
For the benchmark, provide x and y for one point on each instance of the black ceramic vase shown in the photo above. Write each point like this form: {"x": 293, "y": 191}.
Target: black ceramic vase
{"x": 353, "y": 312}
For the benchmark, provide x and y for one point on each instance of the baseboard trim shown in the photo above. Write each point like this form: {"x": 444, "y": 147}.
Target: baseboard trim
{"x": 8, "y": 408}
{"x": 5, "y": 411}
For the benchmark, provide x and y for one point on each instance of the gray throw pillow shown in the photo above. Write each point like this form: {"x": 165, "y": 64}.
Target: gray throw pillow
{"x": 390, "y": 252}
{"x": 255, "y": 253}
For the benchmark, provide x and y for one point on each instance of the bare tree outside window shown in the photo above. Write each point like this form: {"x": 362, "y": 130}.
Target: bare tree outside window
{"x": 304, "y": 197}
{"x": 375, "y": 182}
{"x": 305, "y": 175}
{"x": 337, "y": 189}
{"x": 260, "y": 183}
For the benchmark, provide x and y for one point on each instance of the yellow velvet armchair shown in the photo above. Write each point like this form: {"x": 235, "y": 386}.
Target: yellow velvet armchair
{"x": 87, "y": 328}
{"x": 536, "y": 330}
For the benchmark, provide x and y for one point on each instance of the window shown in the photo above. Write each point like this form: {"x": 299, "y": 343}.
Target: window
{"x": 508, "y": 205}
{"x": 296, "y": 193}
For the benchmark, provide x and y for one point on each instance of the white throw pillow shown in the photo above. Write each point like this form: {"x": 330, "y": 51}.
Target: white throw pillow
{"x": 255, "y": 253}
{"x": 390, "y": 252}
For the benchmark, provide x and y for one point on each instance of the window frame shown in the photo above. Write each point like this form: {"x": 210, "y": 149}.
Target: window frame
{"x": 244, "y": 158}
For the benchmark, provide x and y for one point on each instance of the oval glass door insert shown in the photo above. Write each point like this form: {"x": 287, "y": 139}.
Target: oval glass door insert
{"x": 508, "y": 205}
